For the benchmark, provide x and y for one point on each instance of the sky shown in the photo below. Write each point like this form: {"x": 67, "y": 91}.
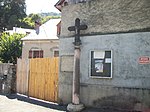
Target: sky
{"x": 38, "y": 6}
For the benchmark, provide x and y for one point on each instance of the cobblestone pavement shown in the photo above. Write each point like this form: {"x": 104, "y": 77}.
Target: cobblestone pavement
{"x": 16, "y": 103}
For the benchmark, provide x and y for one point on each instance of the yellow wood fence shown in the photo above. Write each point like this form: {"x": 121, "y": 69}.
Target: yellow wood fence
{"x": 42, "y": 79}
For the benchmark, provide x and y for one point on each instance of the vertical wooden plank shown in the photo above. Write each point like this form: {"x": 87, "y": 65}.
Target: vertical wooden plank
{"x": 22, "y": 76}
{"x": 42, "y": 85}
{"x": 46, "y": 78}
{"x": 51, "y": 81}
{"x": 36, "y": 73}
{"x": 34, "y": 66}
{"x": 30, "y": 78}
{"x": 41, "y": 77}
{"x": 25, "y": 77}
{"x": 56, "y": 78}
{"x": 53, "y": 78}
{"x": 18, "y": 75}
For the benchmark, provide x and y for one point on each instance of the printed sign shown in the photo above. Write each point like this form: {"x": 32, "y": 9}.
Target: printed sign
{"x": 144, "y": 60}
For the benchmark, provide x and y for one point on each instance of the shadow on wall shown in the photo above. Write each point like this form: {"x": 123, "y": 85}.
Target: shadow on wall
{"x": 119, "y": 102}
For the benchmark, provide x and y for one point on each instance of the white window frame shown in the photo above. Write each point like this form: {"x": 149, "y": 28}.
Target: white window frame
{"x": 90, "y": 64}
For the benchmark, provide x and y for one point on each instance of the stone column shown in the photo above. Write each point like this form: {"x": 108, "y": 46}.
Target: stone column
{"x": 76, "y": 106}
{"x": 76, "y": 77}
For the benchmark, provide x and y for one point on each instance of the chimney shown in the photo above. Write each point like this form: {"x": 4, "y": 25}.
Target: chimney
{"x": 37, "y": 26}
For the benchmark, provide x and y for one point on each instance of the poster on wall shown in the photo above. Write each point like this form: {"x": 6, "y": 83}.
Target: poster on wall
{"x": 101, "y": 64}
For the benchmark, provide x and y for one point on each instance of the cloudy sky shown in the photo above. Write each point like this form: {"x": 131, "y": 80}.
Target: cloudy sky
{"x": 38, "y": 6}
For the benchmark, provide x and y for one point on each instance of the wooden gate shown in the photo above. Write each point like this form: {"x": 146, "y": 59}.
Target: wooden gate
{"x": 42, "y": 79}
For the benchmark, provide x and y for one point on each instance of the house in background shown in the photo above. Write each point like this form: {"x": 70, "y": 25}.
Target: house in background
{"x": 43, "y": 42}
{"x": 20, "y": 31}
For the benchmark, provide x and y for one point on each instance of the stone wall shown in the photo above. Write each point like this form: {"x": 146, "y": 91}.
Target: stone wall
{"x": 75, "y": 1}
{"x": 7, "y": 78}
{"x": 108, "y": 16}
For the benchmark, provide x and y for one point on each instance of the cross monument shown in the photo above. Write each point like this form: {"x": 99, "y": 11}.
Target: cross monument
{"x": 75, "y": 105}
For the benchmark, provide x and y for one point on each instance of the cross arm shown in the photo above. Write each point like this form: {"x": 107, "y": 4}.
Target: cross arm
{"x": 81, "y": 27}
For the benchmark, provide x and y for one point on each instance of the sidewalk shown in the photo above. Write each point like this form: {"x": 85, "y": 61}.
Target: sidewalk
{"x": 16, "y": 103}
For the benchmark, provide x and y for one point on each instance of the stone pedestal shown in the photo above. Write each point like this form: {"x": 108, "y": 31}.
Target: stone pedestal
{"x": 75, "y": 107}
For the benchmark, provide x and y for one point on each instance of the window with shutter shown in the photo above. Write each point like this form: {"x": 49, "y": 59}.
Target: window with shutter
{"x": 30, "y": 54}
{"x": 36, "y": 54}
{"x": 41, "y": 53}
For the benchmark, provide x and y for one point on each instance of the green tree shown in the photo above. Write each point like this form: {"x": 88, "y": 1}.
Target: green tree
{"x": 10, "y": 47}
{"x": 34, "y": 17}
{"x": 29, "y": 21}
{"x": 10, "y": 13}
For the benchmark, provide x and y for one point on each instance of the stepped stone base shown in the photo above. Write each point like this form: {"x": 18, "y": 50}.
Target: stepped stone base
{"x": 74, "y": 107}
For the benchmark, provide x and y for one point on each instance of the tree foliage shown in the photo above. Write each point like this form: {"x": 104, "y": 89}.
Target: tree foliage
{"x": 13, "y": 13}
{"x": 10, "y": 13}
{"x": 10, "y": 47}
{"x": 28, "y": 21}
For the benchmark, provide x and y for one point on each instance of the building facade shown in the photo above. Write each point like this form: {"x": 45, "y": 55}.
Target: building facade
{"x": 114, "y": 61}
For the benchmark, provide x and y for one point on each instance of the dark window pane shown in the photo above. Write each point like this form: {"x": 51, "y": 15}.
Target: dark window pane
{"x": 56, "y": 53}
{"x": 30, "y": 54}
{"x": 107, "y": 54}
{"x": 36, "y": 54}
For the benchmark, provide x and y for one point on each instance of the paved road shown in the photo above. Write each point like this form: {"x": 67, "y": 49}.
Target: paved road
{"x": 16, "y": 103}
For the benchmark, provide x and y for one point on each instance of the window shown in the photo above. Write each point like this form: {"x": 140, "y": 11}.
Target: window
{"x": 101, "y": 64}
{"x": 56, "y": 53}
{"x": 59, "y": 28}
{"x": 36, "y": 54}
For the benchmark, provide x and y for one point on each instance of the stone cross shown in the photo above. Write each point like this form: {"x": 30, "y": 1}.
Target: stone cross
{"x": 76, "y": 68}
{"x": 77, "y": 29}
